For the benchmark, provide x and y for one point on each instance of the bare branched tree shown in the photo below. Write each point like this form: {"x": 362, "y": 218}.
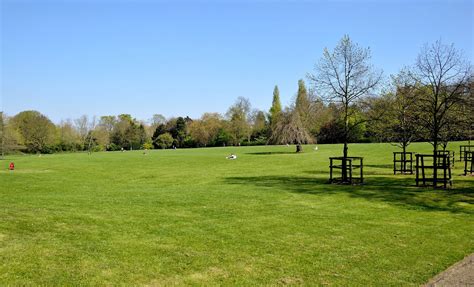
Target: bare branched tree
{"x": 444, "y": 74}
{"x": 92, "y": 128}
{"x": 82, "y": 127}
{"x": 345, "y": 76}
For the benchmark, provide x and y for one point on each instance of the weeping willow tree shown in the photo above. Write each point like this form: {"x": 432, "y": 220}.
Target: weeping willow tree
{"x": 290, "y": 130}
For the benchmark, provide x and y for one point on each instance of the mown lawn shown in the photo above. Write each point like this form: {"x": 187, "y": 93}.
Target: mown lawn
{"x": 191, "y": 217}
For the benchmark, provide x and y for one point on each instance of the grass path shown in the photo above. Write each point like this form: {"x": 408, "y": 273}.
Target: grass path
{"x": 176, "y": 217}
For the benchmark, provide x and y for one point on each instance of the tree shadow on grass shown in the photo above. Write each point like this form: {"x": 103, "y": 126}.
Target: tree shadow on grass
{"x": 389, "y": 166}
{"x": 337, "y": 172}
{"x": 313, "y": 172}
{"x": 271, "y": 152}
{"x": 397, "y": 191}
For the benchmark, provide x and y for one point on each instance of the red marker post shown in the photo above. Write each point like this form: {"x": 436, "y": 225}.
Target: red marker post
{"x": 12, "y": 166}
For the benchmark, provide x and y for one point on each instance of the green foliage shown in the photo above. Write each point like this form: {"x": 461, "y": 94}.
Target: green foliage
{"x": 164, "y": 141}
{"x": 147, "y": 145}
{"x": 204, "y": 131}
{"x": 276, "y": 109}
{"x": 128, "y": 133}
{"x": 114, "y": 147}
{"x": 239, "y": 127}
{"x": 9, "y": 137}
{"x": 292, "y": 124}
{"x": 160, "y": 129}
{"x": 302, "y": 103}
{"x": 333, "y": 132}
{"x": 179, "y": 132}
{"x": 37, "y": 132}
{"x": 223, "y": 138}
{"x": 260, "y": 127}
{"x": 398, "y": 109}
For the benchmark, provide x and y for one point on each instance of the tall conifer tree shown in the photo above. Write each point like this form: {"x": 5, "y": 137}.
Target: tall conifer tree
{"x": 275, "y": 110}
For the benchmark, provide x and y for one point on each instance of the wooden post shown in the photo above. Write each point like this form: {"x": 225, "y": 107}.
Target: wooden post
{"x": 472, "y": 162}
{"x": 465, "y": 167}
{"x": 416, "y": 169}
{"x": 449, "y": 170}
{"x": 411, "y": 163}
{"x": 350, "y": 171}
{"x": 330, "y": 170}
{"x": 423, "y": 170}
{"x": 444, "y": 172}
{"x": 394, "y": 163}
{"x": 403, "y": 167}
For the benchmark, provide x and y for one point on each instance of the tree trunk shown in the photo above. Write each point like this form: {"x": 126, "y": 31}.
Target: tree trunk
{"x": 344, "y": 164}
{"x": 404, "y": 158}
{"x": 345, "y": 149}
{"x": 299, "y": 148}
{"x": 435, "y": 161}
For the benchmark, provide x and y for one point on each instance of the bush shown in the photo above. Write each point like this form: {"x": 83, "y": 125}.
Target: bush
{"x": 113, "y": 147}
{"x": 222, "y": 139}
{"x": 147, "y": 145}
{"x": 164, "y": 141}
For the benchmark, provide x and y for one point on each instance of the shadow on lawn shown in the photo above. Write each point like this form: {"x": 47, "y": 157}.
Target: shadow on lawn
{"x": 389, "y": 166}
{"x": 398, "y": 191}
{"x": 366, "y": 172}
{"x": 271, "y": 152}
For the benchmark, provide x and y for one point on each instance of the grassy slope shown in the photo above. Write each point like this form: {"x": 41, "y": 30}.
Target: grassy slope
{"x": 193, "y": 217}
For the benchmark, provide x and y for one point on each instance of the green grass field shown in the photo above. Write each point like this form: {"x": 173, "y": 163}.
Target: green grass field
{"x": 191, "y": 217}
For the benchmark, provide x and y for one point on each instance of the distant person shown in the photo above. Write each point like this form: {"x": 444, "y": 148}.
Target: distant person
{"x": 232, "y": 156}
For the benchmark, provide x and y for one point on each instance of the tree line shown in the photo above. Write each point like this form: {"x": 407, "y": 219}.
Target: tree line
{"x": 347, "y": 100}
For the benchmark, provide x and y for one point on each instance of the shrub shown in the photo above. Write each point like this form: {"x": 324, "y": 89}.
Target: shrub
{"x": 147, "y": 145}
{"x": 164, "y": 141}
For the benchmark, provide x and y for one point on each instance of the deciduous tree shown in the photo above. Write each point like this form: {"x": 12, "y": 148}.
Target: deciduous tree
{"x": 399, "y": 123}
{"x": 37, "y": 132}
{"x": 238, "y": 115}
{"x": 443, "y": 71}
{"x": 165, "y": 140}
{"x": 290, "y": 130}
{"x": 346, "y": 76}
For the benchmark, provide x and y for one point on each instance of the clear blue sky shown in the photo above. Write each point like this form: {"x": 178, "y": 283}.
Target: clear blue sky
{"x": 104, "y": 57}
